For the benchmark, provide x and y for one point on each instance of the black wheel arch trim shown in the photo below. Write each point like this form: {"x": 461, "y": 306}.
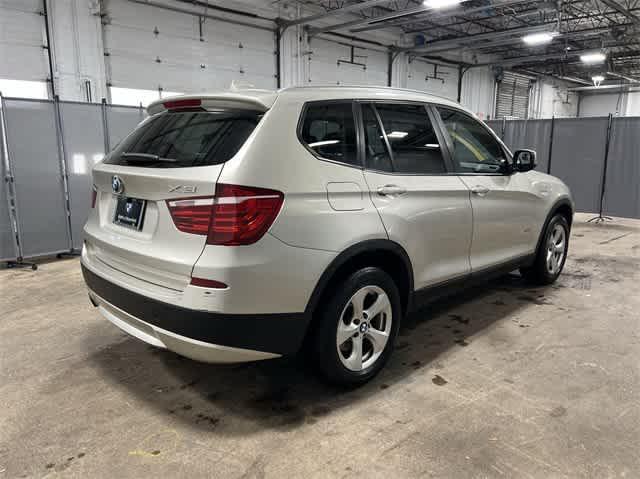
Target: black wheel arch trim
{"x": 552, "y": 212}
{"x": 351, "y": 252}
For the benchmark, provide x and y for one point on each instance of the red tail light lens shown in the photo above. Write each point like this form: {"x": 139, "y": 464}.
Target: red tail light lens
{"x": 192, "y": 215}
{"x": 237, "y": 215}
{"x": 208, "y": 283}
{"x": 94, "y": 196}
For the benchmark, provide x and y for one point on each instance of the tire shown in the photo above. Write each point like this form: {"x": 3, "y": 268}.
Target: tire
{"x": 549, "y": 259}
{"x": 336, "y": 356}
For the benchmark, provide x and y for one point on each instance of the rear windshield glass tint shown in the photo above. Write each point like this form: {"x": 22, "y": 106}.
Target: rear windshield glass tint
{"x": 185, "y": 139}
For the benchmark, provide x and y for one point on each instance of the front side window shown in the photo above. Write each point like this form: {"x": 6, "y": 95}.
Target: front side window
{"x": 475, "y": 150}
{"x": 329, "y": 130}
{"x": 414, "y": 145}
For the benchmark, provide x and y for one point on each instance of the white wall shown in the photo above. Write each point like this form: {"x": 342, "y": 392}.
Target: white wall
{"x": 551, "y": 97}
{"x": 601, "y": 104}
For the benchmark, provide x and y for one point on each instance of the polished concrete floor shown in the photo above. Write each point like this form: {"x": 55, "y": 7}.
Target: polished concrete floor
{"x": 503, "y": 381}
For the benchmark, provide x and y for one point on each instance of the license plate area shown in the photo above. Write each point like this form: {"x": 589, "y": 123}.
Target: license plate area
{"x": 130, "y": 212}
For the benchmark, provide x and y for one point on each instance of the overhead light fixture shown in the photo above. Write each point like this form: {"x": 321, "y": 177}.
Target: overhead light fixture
{"x": 597, "y": 79}
{"x": 441, "y": 3}
{"x": 593, "y": 57}
{"x": 539, "y": 38}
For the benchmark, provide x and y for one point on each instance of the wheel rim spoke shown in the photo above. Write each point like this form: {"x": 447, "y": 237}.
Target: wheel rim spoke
{"x": 355, "y": 358}
{"x": 381, "y": 303}
{"x": 357, "y": 301}
{"x": 345, "y": 332}
{"x": 378, "y": 339}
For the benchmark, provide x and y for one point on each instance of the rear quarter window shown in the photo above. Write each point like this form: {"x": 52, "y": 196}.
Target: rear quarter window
{"x": 329, "y": 131}
{"x": 185, "y": 139}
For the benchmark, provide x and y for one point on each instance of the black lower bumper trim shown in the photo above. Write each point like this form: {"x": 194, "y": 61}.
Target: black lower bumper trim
{"x": 273, "y": 333}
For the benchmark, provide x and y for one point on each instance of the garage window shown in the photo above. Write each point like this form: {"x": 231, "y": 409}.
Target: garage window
{"x": 329, "y": 131}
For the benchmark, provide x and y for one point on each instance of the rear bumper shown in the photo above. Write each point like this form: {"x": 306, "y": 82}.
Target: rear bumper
{"x": 200, "y": 335}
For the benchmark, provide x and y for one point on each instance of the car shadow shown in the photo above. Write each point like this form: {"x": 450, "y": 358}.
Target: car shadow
{"x": 285, "y": 393}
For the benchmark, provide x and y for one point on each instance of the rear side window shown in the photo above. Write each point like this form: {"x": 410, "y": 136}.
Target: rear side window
{"x": 412, "y": 139}
{"x": 185, "y": 139}
{"x": 329, "y": 130}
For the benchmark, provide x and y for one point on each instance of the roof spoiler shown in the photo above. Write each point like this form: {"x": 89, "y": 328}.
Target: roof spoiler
{"x": 253, "y": 100}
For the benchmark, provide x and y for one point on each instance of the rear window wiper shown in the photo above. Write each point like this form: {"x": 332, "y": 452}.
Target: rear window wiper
{"x": 146, "y": 158}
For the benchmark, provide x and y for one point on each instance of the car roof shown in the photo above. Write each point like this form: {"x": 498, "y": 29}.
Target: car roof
{"x": 264, "y": 99}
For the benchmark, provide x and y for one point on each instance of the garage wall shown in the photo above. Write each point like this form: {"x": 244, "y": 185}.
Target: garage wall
{"x": 21, "y": 38}
{"x": 601, "y": 104}
{"x": 150, "y": 48}
{"x": 478, "y": 88}
{"x": 337, "y": 63}
{"x": 420, "y": 76}
{"x": 550, "y": 97}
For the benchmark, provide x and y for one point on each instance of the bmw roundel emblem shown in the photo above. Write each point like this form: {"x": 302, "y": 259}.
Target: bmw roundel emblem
{"x": 117, "y": 185}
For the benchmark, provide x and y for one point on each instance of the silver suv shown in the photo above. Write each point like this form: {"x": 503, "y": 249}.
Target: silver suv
{"x": 243, "y": 225}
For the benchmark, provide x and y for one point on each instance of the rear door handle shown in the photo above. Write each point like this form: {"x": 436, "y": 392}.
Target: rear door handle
{"x": 391, "y": 190}
{"x": 480, "y": 190}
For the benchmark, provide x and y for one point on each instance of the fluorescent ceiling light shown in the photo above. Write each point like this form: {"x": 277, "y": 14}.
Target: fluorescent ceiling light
{"x": 539, "y": 38}
{"x": 593, "y": 57}
{"x": 441, "y": 3}
{"x": 398, "y": 134}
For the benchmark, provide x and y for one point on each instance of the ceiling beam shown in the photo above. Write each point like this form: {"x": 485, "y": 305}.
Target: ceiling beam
{"x": 376, "y": 24}
{"x": 620, "y": 9}
{"x": 472, "y": 44}
{"x": 455, "y": 42}
{"x": 623, "y": 77}
{"x": 336, "y": 11}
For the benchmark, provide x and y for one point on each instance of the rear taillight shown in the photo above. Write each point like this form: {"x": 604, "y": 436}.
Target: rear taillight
{"x": 94, "y": 196}
{"x": 237, "y": 215}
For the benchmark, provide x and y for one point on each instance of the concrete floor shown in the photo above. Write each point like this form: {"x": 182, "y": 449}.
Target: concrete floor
{"x": 503, "y": 381}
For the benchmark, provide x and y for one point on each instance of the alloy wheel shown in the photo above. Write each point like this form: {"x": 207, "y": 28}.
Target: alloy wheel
{"x": 364, "y": 328}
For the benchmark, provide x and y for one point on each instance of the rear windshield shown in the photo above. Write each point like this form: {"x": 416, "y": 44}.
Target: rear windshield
{"x": 185, "y": 139}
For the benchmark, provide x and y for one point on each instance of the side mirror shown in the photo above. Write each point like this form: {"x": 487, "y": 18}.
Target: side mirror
{"x": 524, "y": 160}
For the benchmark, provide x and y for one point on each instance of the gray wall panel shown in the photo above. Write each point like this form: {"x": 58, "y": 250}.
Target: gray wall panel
{"x": 7, "y": 246}
{"x": 33, "y": 150}
{"x": 84, "y": 146}
{"x": 578, "y": 158}
{"x": 121, "y": 121}
{"x": 496, "y": 126}
{"x": 622, "y": 194}
{"x": 530, "y": 134}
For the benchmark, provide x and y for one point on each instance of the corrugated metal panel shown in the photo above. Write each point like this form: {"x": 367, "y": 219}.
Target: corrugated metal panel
{"x": 512, "y": 99}
{"x": 150, "y": 48}
{"x": 420, "y": 77}
{"x": 478, "y": 86}
{"x": 329, "y": 63}
{"x": 21, "y": 40}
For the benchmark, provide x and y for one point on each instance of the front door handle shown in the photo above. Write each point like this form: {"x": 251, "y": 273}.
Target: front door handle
{"x": 391, "y": 190}
{"x": 480, "y": 190}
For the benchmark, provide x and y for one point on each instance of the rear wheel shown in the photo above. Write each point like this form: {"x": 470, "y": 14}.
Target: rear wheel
{"x": 551, "y": 254}
{"x": 358, "y": 326}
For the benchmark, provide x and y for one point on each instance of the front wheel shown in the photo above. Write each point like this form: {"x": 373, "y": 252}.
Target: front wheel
{"x": 551, "y": 254}
{"x": 358, "y": 326}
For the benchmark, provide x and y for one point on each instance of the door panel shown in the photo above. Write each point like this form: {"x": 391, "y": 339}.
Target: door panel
{"x": 504, "y": 218}
{"x": 431, "y": 220}
{"x": 422, "y": 208}
{"x": 504, "y": 204}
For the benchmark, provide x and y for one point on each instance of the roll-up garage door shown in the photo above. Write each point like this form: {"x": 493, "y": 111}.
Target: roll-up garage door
{"x": 21, "y": 40}
{"x": 512, "y": 100}
{"x": 151, "y": 48}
